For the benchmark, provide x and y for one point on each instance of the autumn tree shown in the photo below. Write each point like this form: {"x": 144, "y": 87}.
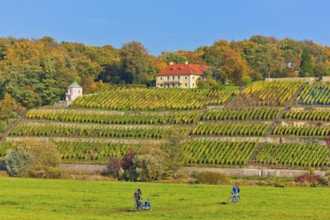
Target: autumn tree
{"x": 175, "y": 58}
{"x": 136, "y": 64}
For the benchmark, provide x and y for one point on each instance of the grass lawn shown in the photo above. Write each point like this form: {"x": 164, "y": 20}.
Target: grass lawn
{"x": 75, "y": 199}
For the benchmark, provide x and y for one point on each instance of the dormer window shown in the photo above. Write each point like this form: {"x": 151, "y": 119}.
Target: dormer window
{"x": 171, "y": 68}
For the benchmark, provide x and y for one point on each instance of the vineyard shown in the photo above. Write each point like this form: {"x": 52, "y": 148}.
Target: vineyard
{"x": 269, "y": 94}
{"x": 230, "y": 129}
{"x": 154, "y": 99}
{"x": 114, "y": 118}
{"x": 315, "y": 94}
{"x": 217, "y": 152}
{"x": 309, "y": 131}
{"x": 38, "y": 130}
{"x": 308, "y": 115}
{"x": 294, "y": 155}
{"x": 263, "y": 124}
{"x": 241, "y": 114}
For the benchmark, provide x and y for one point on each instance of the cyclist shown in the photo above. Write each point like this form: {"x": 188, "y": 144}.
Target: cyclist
{"x": 235, "y": 193}
{"x": 137, "y": 197}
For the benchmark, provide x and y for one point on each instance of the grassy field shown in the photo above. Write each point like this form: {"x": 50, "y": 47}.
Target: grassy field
{"x": 76, "y": 199}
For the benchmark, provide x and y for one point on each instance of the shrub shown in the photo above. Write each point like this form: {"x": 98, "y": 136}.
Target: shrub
{"x": 213, "y": 178}
{"x": 324, "y": 181}
{"x": 18, "y": 161}
{"x": 114, "y": 166}
{"x": 34, "y": 158}
{"x": 313, "y": 180}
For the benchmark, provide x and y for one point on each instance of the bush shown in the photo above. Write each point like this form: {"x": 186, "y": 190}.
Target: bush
{"x": 308, "y": 178}
{"x": 34, "y": 158}
{"x": 213, "y": 178}
{"x": 324, "y": 181}
{"x": 18, "y": 162}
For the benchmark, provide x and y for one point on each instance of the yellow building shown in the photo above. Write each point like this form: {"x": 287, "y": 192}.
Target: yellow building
{"x": 180, "y": 76}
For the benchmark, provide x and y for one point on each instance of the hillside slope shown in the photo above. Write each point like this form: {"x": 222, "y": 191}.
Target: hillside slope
{"x": 280, "y": 123}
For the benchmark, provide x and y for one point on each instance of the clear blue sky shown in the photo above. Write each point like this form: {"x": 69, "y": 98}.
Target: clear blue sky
{"x": 165, "y": 25}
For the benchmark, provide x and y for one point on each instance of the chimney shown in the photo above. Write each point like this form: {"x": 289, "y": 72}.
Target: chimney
{"x": 171, "y": 63}
{"x": 186, "y": 62}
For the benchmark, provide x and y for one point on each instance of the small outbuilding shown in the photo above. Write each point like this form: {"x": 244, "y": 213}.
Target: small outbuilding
{"x": 74, "y": 91}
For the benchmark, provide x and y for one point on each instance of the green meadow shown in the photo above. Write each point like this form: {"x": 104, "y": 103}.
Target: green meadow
{"x": 84, "y": 199}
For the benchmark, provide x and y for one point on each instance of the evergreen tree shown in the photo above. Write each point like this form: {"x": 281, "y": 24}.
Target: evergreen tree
{"x": 306, "y": 63}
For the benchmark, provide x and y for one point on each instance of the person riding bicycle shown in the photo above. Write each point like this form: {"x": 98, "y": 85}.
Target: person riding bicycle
{"x": 235, "y": 192}
{"x": 137, "y": 197}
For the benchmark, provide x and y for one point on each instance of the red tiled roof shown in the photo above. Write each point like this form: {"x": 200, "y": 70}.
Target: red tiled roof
{"x": 183, "y": 69}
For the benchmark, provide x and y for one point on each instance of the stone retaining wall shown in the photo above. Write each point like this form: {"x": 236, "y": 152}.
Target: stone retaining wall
{"x": 251, "y": 171}
{"x": 90, "y": 168}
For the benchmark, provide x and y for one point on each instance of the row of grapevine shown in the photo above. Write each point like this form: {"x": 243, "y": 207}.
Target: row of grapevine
{"x": 242, "y": 114}
{"x": 154, "y": 99}
{"x": 92, "y": 151}
{"x": 230, "y": 129}
{"x": 307, "y": 131}
{"x": 113, "y": 118}
{"x": 311, "y": 115}
{"x": 269, "y": 93}
{"x": 78, "y": 151}
{"x": 292, "y": 154}
{"x": 217, "y": 152}
{"x": 315, "y": 94}
{"x": 91, "y": 131}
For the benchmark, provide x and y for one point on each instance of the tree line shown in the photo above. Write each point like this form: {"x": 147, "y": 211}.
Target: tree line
{"x": 35, "y": 72}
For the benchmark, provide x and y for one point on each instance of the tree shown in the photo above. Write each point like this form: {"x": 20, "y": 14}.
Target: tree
{"x": 173, "y": 149}
{"x": 175, "y": 58}
{"x": 306, "y": 66}
{"x": 320, "y": 69}
{"x": 7, "y": 106}
{"x": 136, "y": 65}
{"x": 150, "y": 163}
{"x": 43, "y": 161}
{"x": 128, "y": 164}
{"x": 114, "y": 166}
{"x": 234, "y": 66}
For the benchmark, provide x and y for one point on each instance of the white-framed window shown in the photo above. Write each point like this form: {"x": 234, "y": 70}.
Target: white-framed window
{"x": 185, "y": 77}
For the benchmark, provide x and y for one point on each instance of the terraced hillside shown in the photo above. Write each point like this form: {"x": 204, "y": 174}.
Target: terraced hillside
{"x": 268, "y": 123}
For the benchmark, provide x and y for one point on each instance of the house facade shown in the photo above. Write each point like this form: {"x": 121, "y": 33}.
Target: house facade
{"x": 180, "y": 76}
{"x": 74, "y": 91}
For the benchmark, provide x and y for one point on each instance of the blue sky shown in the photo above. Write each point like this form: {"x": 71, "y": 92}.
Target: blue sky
{"x": 165, "y": 25}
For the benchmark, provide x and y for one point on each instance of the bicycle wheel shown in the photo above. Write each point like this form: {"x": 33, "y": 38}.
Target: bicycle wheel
{"x": 230, "y": 200}
{"x": 236, "y": 199}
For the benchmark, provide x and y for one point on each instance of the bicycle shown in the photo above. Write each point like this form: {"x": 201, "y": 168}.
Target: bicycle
{"x": 233, "y": 199}
{"x": 146, "y": 205}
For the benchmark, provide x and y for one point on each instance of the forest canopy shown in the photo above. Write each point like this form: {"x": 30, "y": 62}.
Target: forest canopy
{"x": 36, "y": 72}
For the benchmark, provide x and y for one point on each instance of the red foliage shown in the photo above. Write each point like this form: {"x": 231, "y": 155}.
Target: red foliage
{"x": 327, "y": 140}
{"x": 308, "y": 178}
